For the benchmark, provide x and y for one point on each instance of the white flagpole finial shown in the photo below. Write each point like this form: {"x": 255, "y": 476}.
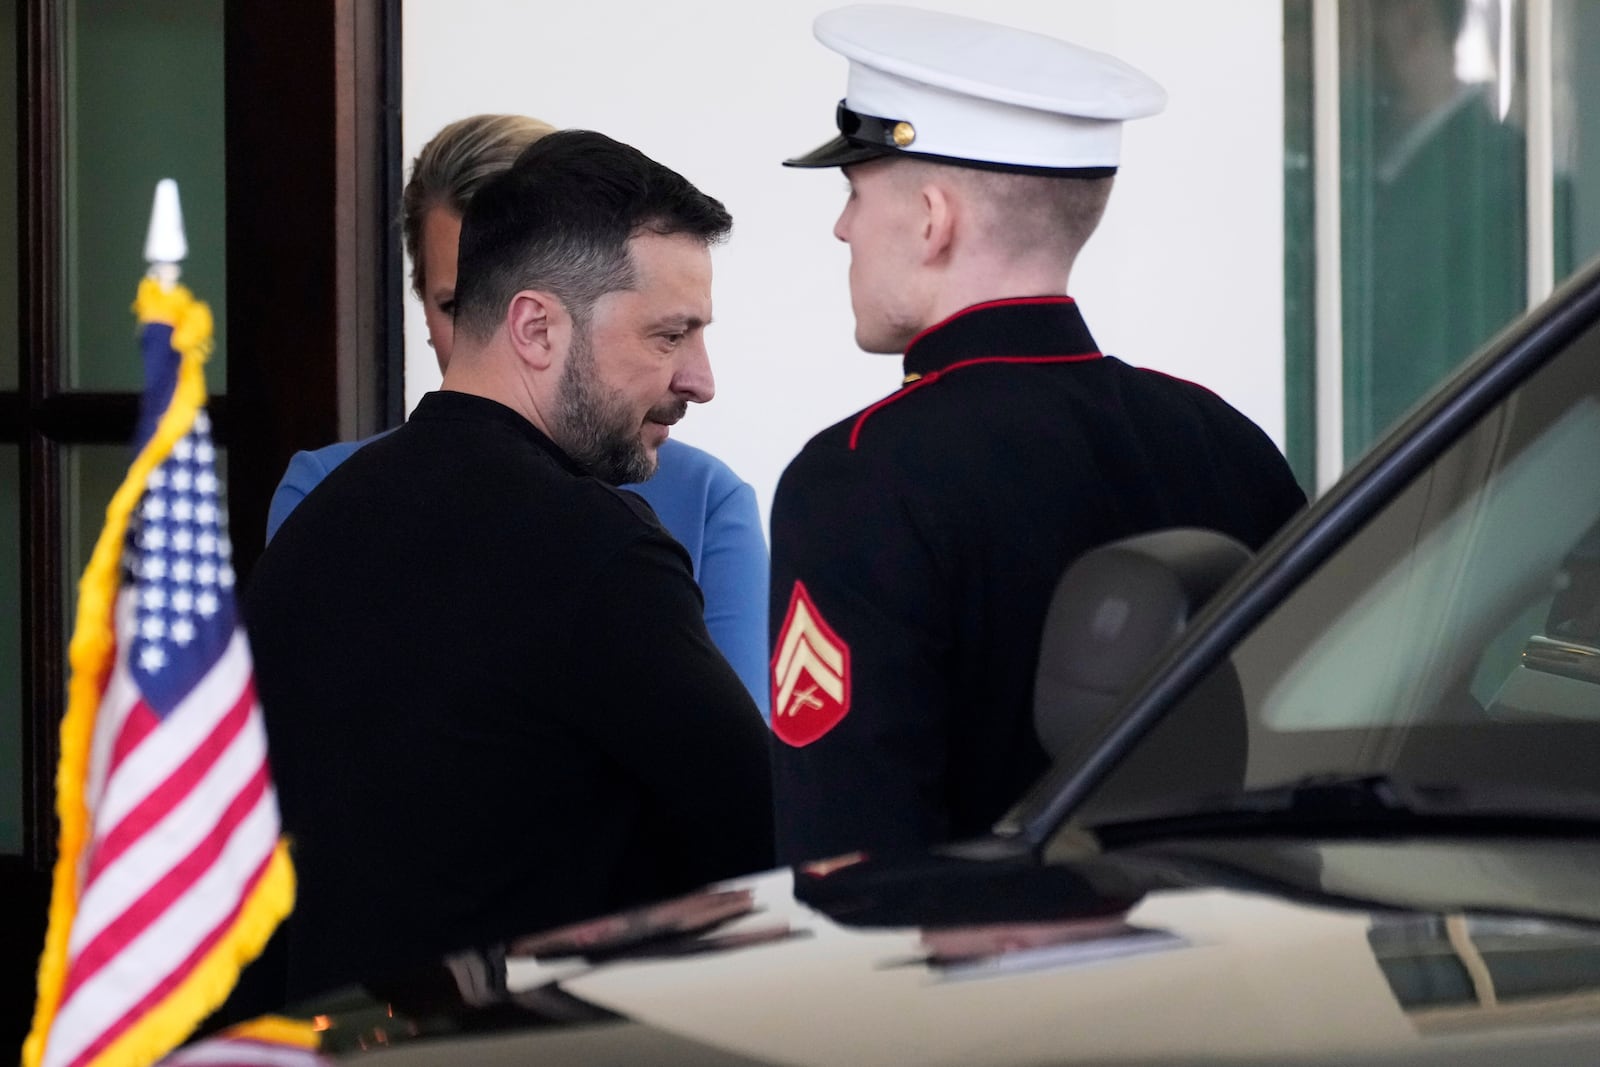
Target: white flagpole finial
{"x": 165, "y": 245}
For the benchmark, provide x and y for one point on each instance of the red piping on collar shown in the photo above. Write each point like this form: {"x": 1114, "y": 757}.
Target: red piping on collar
{"x": 933, "y": 376}
{"x": 1013, "y": 301}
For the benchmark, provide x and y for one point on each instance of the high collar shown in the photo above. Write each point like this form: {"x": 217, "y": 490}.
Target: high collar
{"x": 1021, "y": 326}
{"x": 447, "y": 405}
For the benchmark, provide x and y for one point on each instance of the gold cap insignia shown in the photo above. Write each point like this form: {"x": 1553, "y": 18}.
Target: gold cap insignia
{"x": 903, "y": 133}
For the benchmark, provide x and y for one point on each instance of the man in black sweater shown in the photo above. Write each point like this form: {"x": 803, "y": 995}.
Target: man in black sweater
{"x": 492, "y": 703}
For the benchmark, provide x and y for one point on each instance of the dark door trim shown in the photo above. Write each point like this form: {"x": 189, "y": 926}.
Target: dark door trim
{"x": 314, "y": 290}
{"x": 40, "y": 58}
{"x": 314, "y": 309}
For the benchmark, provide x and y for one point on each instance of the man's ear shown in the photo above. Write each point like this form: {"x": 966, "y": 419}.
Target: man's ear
{"x": 538, "y": 327}
{"x": 939, "y": 211}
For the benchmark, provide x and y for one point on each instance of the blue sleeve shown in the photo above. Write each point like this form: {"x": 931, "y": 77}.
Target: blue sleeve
{"x": 734, "y": 578}
{"x": 304, "y": 474}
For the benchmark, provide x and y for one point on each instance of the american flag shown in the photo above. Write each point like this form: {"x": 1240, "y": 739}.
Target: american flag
{"x": 171, "y": 872}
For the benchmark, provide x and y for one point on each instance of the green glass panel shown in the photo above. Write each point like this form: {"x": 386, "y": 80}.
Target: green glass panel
{"x": 10, "y": 249}
{"x": 1433, "y": 203}
{"x": 1577, "y": 133}
{"x": 92, "y": 474}
{"x": 1299, "y": 245}
{"x": 145, "y": 102}
{"x": 11, "y": 761}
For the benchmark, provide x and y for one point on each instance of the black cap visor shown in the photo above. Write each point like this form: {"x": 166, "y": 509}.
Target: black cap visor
{"x": 839, "y": 152}
{"x": 861, "y": 137}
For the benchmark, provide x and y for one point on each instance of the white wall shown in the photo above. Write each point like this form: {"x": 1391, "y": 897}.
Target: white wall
{"x": 1185, "y": 274}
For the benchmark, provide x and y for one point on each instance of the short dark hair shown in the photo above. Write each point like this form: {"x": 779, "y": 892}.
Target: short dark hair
{"x": 559, "y": 220}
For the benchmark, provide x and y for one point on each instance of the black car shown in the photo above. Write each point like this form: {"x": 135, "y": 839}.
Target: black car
{"x": 1351, "y": 816}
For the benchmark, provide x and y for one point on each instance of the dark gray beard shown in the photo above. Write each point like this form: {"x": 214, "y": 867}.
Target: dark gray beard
{"x": 594, "y": 427}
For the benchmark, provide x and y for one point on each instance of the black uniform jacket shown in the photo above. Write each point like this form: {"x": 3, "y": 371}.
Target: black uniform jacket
{"x": 916, "y": 544}
{"x": 491, "y": 702}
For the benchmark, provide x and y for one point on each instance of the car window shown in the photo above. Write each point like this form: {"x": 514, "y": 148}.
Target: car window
{"x": 1429, "y": 612}
{"x": 1454, "y": 639}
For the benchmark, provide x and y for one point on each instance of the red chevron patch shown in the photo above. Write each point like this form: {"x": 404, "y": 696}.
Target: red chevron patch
{"x": 810, "y": 674}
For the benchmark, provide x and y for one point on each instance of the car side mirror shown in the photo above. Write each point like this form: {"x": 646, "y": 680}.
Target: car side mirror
{"x": 1555, "y": 680}
{"x": 1114, "y": 611}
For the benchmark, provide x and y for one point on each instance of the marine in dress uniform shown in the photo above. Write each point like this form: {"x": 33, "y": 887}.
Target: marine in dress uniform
{"x": 916, "y": 543}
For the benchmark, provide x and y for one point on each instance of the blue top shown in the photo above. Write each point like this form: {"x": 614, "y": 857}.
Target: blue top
{"x": 701, "y": 502}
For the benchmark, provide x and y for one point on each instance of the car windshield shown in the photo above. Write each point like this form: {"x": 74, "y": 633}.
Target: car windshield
{"x": 1453, "y": 641}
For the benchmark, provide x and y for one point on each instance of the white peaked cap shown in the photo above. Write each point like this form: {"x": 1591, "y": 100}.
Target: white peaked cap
{"x": 165, "y": 242}
{"x": 973, "y": 93}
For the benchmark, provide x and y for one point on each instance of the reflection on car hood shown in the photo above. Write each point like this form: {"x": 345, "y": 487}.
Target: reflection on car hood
{"x": 1223, "y": 952}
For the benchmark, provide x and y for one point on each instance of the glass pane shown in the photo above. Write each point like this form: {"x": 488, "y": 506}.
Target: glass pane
{"x": 144, "y": 103}
{"x": 1433, "y": 203}
{"x": 92, "y": 474}
{"x": 1577, "y": 133}
{"x": 10, "y": 650}
{"x": 1299, "y": 245}
{"x": 10, "y": 250}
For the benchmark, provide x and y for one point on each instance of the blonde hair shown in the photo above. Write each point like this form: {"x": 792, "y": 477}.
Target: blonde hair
{"x": 454, "y": 165}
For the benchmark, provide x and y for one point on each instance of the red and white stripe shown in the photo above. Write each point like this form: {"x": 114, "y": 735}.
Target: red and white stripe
{"x": 162, "y": 877}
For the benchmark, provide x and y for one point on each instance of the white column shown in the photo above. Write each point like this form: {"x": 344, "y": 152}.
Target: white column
{"x": 1329, "y": 385}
